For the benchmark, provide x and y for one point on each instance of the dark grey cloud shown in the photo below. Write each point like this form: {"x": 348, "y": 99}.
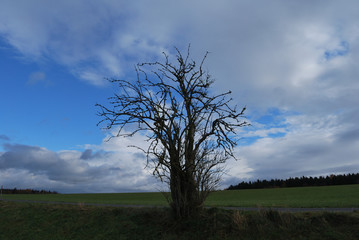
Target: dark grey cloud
{"x": 89, "y": 154}
{"x": 349, "y": 136}
{"x": 42, "y": 161}
{"x": 70, "y": 171}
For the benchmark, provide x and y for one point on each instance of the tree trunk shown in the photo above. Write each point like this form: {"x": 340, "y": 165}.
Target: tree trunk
{"x": 185, "y": 196}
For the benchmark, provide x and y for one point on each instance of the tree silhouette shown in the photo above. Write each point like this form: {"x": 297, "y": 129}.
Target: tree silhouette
{"x": 191, "y": 133}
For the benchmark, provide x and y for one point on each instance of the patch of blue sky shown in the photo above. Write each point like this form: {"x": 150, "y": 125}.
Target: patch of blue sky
{"x": 56, "y": 113}
{"x": 272, "y": 124}
{"x": 342, "y": 50}
{"x": 277, "y": 135}
{"x": 273, "y": 118}
{"x": 247, "y": 141}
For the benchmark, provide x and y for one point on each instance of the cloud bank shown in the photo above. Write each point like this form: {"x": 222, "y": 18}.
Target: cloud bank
{"x": 111, "y": 167}
{"x": 298, "y": 58}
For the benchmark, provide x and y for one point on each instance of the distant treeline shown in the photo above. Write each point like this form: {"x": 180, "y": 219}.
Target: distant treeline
{"x": 26, "y": 191}
{"x": 299, "y": 182}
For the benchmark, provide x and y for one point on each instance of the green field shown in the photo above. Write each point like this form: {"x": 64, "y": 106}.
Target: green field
{"x": 51, "y": 221}
{"x": 329, "y": 196}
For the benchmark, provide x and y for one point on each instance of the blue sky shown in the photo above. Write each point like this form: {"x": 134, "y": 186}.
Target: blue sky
{"x": 45, "y": 105}
{"x": 293, "y": 64}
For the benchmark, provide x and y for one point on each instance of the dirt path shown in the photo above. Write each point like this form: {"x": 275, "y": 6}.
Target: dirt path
{"x": 292, "y": 210}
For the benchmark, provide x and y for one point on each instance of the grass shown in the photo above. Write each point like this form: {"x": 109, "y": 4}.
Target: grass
{"x": 150, "y": 199}
{"x": 42, "y": 221}
{"x": 329, "y": 196}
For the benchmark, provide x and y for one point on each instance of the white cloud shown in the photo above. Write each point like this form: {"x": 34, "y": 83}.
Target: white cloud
{"x": 77, "y": 34}
{"x": 111, "y": 168}
{"x": 92, "y": 77}
{"x": 263, "y": 132}
{"x": 314, "y": 147}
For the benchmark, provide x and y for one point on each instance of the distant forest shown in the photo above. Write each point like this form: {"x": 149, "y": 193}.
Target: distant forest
{"x": 299, "y": 182}
{"x": 26, "y": 191}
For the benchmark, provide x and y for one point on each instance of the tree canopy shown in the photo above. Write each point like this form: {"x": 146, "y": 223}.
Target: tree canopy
{"x": 191, "y": 132}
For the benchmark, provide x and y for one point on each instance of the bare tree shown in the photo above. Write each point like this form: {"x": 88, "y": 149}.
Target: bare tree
{"x": 191, "y": 133}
